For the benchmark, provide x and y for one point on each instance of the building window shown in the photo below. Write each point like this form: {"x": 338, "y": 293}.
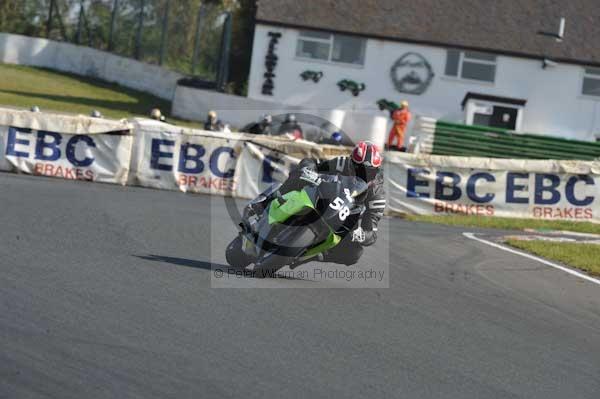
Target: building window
{"x": 494, "y": 111}
{"x": 471, "y": 65}
{"x": 591, "y": 82}
{"x": 329, "y": 47}
{"x": 496, "y": 116}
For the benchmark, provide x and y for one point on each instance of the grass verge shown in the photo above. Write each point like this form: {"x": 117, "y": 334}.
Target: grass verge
{"x": 507, "y": 223}
{"x": 23, "y": 87}
{"x": 585, "y": 257}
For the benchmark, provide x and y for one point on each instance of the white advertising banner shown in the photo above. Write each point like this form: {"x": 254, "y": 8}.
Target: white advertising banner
{"x": 101, "y": 158}
{"x": 167, "y": 157}
{"x": 439, "y": 185}
{"x": 74, "y": 147}
{"x": 53, "y": 122}
{"x": 259, "y": 167}
{"x": 174, "y": 161}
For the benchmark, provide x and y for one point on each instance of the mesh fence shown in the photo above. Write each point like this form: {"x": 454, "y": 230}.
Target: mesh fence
{"x": 184, "y": 35}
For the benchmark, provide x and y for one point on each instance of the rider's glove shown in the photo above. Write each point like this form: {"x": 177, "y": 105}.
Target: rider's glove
{"x": 358, "y": 235}
{"x": 310, "y": 176}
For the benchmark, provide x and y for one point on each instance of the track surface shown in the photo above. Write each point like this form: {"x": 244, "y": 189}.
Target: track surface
{"x": 105, "y": 292}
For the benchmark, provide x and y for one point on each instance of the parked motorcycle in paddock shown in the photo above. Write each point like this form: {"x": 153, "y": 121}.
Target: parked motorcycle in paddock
{"x": 292, "y": 229}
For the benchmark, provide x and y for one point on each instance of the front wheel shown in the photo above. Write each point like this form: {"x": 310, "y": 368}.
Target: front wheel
{"x": 235, "y": 255}
{"x": 268, "y": 266}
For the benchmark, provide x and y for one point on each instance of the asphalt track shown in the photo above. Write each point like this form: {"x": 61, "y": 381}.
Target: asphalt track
{"x": 107, "y": 292}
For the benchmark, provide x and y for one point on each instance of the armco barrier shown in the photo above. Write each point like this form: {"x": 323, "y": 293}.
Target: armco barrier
{"x": 446, "y": 185}
{"x": 480, "y": 141}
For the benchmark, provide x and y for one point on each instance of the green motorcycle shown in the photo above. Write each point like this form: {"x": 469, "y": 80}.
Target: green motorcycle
{"x": 292, "y": 229}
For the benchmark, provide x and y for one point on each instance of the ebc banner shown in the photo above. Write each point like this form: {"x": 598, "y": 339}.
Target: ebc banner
{"x": 229, "y": 164}
{"x": 189, "y": 163}
{"x": 101, "y": 158}
{"x": 560, "y": 190}
{"x": 259, "y": 167}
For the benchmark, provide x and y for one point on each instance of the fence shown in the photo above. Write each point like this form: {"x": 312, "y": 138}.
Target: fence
{"x": 446, "y": 138}
{"x": 189, "y": 36}
{"x": 154, "y": 154}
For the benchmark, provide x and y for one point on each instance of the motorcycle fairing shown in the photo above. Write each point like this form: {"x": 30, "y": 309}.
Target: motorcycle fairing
{"x": 295, "y": 201}
{"x": 331, "y": 241}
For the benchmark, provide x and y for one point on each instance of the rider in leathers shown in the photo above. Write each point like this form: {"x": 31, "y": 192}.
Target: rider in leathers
{"x": 365, "y": 162}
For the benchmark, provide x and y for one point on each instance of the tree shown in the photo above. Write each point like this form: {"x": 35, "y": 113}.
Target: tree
{"x": 23, "y": 16}
{"x": 11, "y": 15}
{"x": 241, "y": 44}
{"x": 30, "y": 17}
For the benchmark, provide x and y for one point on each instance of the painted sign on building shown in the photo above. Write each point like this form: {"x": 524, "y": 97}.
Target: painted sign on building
{"x": 412, "y": 74}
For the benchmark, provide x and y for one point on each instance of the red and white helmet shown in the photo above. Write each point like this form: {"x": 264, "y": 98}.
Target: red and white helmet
{"x": 367, "y": 154}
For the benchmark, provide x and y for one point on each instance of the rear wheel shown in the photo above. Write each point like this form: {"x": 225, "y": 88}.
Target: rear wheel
{"x": 235, "y": 254}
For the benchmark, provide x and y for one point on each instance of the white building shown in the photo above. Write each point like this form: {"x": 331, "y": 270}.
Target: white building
{"x": 482, "y": 62}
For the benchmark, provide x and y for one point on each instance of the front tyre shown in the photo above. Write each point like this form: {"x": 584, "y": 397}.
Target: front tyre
{"x": 268, "y": 266}
{"x": 235, "y": 255}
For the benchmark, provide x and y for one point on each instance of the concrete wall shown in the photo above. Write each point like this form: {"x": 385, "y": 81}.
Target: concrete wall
{"x": 81, "y": 60}
{"x": 555, "y": 105}
{"x": 194, "y": 104}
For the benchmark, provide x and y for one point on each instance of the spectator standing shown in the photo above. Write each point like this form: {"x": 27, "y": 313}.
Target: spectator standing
{"x": 291, "y": 127}
{"x": 401, "y": 117}
{"x": 264, "y": 126}
{"x": 213, "y": 124}
{"x": 157, "y": 115}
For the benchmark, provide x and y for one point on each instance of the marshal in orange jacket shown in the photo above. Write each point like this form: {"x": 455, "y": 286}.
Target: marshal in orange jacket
{"x": 401, "y": 117}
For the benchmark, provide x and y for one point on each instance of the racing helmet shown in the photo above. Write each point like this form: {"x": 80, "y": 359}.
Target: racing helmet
{"x": 155, "y": 114}
{"x": 366, "y": 159}
{"x": 267, "y": 119}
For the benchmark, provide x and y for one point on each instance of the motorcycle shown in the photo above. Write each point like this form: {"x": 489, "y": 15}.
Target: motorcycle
{"x": 297, "y": 227}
